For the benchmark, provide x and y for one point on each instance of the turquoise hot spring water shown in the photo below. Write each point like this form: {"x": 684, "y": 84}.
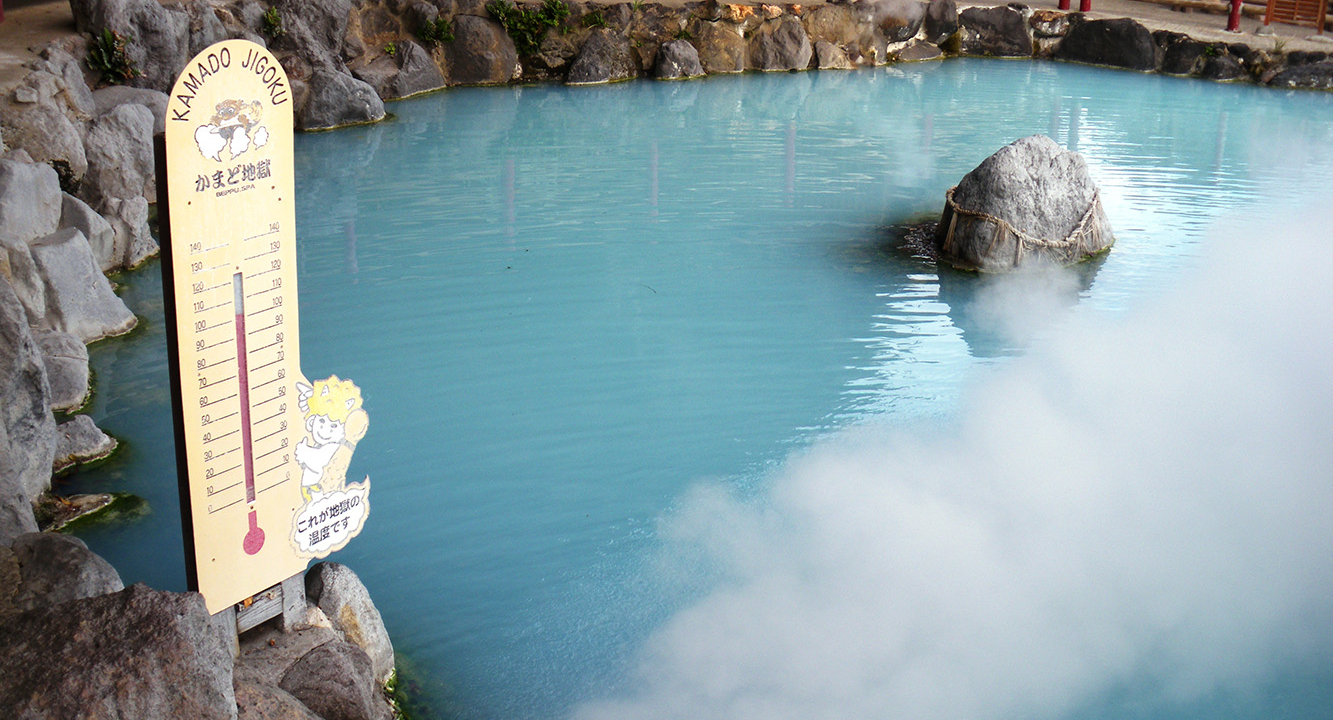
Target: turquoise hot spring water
{"x": 666, "y": 421}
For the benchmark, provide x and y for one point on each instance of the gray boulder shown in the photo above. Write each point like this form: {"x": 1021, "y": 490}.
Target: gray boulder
{"x": 119, "y": 148}
{"x": 997, "y": 31}
{"x": 55, "y": 568}
{"x": 1222, "y": 67}
{"x": 831, "y": 57}
{"x": 335, "y": 99}
{"x": 605, "y": 57}
{"x": 1030, "y": 203}
{"x": 409, "y": 71}
{"x": 780, "y": 44}
{"x": 107, "y": 98}
{"x": 918, "y": 51}
{"x": 336, "y": 590}
{"x": 79, "y": 440}
{"x": 1119, "y": 42}
{"x": 137, "y": 653}
{"x": 677, "y": 59}
{"x": 334, "y": 681}
{"x": 158, "y": 36}
{"x": 315, "y": 31}
{"x": 75, "y": 213}
{"x": 205, "y": 27}
{"x": 48, "y": 136}
{"x": 941, "y": 20}
{"x": 27, "y": 428}
{"x": 79, "y": 299}
{"x": 482, "y": 53}
{"x": 75, "y": 94}
{"x": 30, "y": 201}
{"x": 1314, "y": 76}
{"x": 1183, "y": 57}
{"x": 66, "y": 360}
{"x": 258, "y": 699}
{"x": 721, "y": 47}
{"x": 133, "y": 239}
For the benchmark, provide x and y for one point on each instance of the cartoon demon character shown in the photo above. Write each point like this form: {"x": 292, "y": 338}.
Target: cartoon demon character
{"x": 334, "y": 423}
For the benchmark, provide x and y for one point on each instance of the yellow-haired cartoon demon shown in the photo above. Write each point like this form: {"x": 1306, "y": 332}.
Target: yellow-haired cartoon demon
{"x": 334, "y": 423}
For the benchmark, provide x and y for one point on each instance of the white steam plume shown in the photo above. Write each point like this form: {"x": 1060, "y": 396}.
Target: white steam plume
{"x": 1141, "y": 502}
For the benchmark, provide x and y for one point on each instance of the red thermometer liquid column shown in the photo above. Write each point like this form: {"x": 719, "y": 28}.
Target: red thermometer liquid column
{"x": 254, "y": 537}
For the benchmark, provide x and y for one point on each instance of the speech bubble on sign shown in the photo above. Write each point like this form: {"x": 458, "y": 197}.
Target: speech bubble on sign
{"x": 326, "y": 523}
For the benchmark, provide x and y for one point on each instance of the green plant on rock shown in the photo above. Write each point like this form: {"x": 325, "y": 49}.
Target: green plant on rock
{"x": 594, "y": 19}
{"x": 434, "y": 32}
{"x": 273, "y": 22}
{"x": 636, "y": 5}
{"x": 1279, "y": 45}
{"x": 106, "y": 55}
{"x": 391, "y": 49}
{"x": 683, "y": 34}
{"x": 527, "y": 26}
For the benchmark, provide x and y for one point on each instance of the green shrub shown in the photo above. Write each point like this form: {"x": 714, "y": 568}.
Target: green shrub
{"x": 528, "y": 26}
{"x": 273, "y": 23}
{"x": 439, "y": 31}
{"x": 594, "y": 19}
{"x": 107, "y": 56}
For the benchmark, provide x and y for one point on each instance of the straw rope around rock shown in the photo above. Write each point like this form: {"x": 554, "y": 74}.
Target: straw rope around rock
{"x": 1023, "y": 242}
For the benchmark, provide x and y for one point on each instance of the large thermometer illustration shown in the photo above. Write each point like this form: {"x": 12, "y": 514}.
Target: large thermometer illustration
{"x": 258, "y": 486}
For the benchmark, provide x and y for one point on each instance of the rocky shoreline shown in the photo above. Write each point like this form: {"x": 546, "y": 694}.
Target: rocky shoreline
{"x": 76, "y": 184}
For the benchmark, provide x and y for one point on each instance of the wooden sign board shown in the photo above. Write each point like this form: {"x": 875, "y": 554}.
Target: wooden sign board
{"x": 259, "y": 447}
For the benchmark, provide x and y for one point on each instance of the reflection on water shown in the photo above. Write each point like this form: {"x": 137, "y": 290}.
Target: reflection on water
{"x": 565, "y": 307}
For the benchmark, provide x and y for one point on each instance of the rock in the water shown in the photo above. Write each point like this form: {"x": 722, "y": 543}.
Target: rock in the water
{"x": 1032, "y": 202}
{"x": 334, "y": 681}
{"x": 409, "y": 71}
{"x": 75, "y": 213}
{"x": 780, "y": 45}
{"x": 676, "y": 60}
{"x": 721, "y": 47}
{"x": 56, "y": 568}
{"x": 337, "y": 99}
{"x": 137, "y": 653}
{"x": 605, "y": 57}
{"x": 27, "y": 428}
{"x": 482, "y": 53}
{"x": 66, "y": 360}
{"x": 133, "y": 239}
{"x": 314, "y": 30}
{"x": 1315, "y": 76}
{"x": 1048, "y": 23}
{"x": 918, "y": 51}
{"x": 997, "y": 31}
{"x": 1119, "y": 42}
{"x": 336, "y": 590}
{"x": 79, "y": 440}
{"x": 1182, "y": 55}
{"x": 79, "y": 298}
{"x": 941, "y": 20}
{"x": 107, "y": 98}
{"x": 1222, "y": 67}
{"x": 831, "y": 57}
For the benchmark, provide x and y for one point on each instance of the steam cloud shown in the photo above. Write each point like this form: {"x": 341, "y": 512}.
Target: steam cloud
{"x": 1138, "y": 502}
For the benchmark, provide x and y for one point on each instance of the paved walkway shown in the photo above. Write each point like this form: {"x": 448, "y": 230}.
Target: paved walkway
{"x": 32, "y": 23}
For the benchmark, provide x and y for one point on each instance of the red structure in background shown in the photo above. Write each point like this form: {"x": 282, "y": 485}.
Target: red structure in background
{"x": 1233, "y": 22}
{"x": 1310, "y": 13}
